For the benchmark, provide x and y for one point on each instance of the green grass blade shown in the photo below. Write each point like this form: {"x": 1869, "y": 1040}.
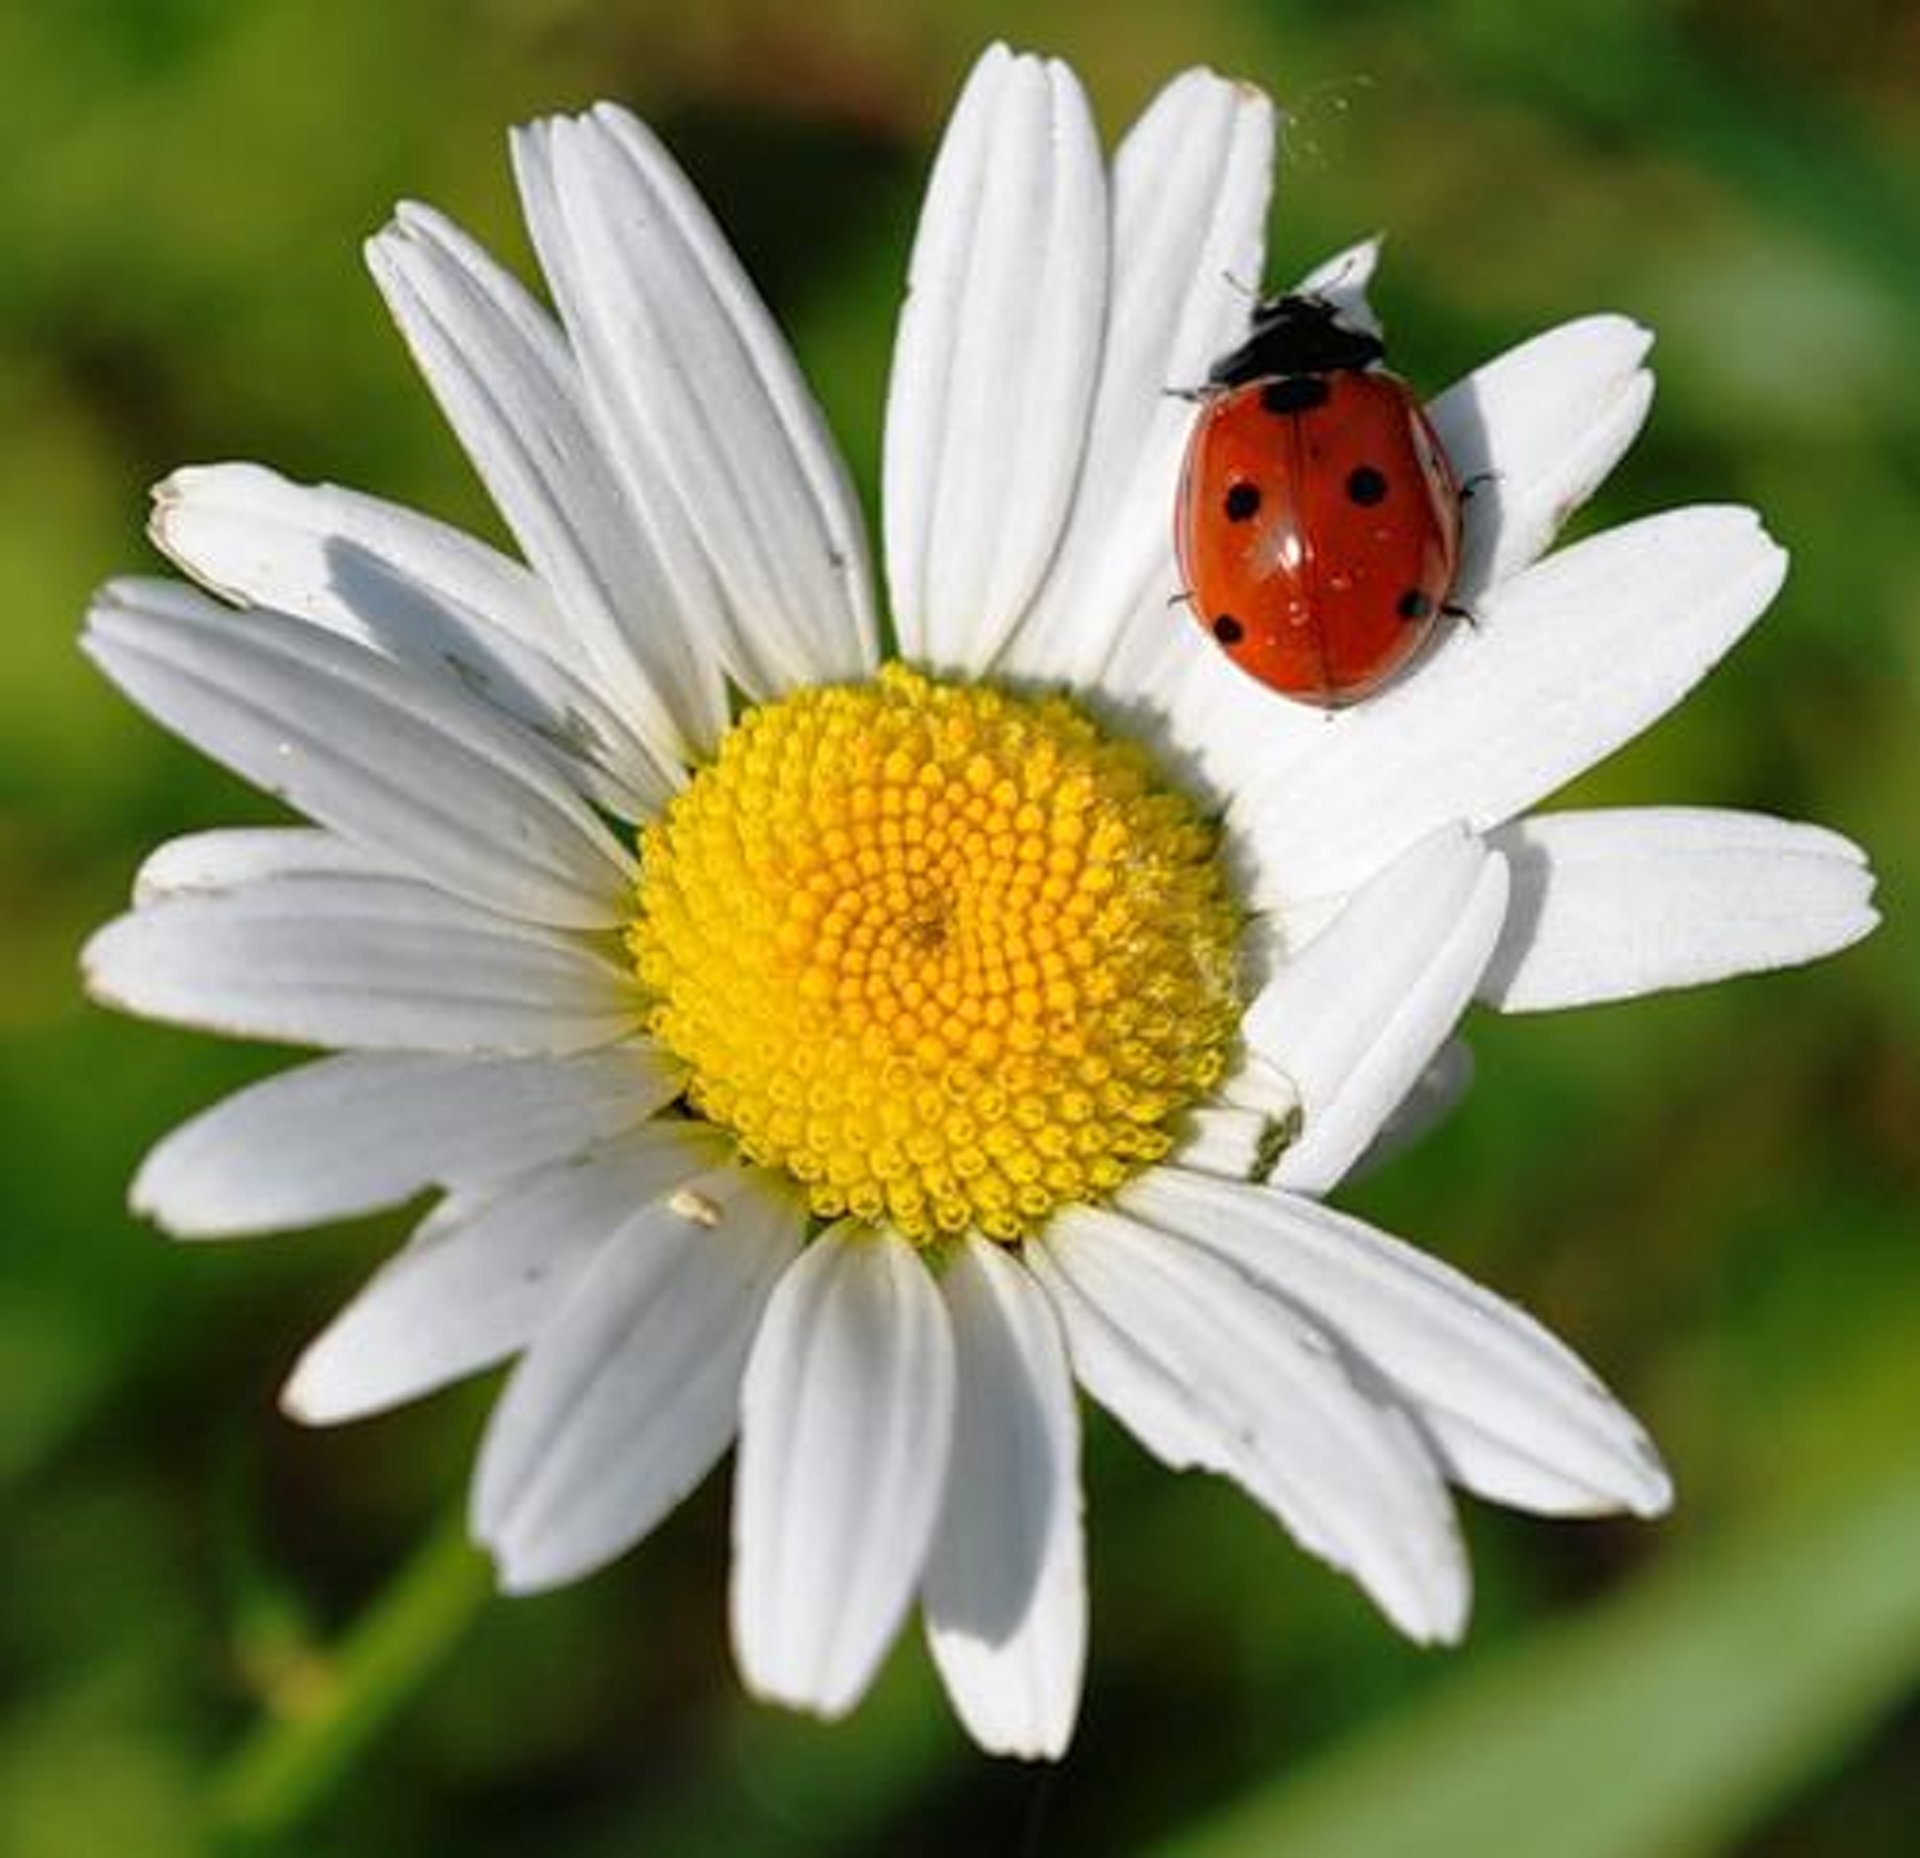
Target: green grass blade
{"x": 1663, "y": 1722}
{"x": 295, "y": 1759}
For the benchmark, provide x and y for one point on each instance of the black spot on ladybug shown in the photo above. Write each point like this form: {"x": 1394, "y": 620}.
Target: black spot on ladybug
{"x": 1366, "y": 485}
{"x": 1228, "y": 630}
{"x": 1415, "y": 605}
{"x": 1242, "y": 501}
{"x": 1294, "y": 393}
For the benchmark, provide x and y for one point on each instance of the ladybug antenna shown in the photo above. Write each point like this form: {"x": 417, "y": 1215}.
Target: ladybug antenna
{"x": 1250, "y": 291}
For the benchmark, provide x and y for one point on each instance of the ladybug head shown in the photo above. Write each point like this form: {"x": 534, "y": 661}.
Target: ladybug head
{"x": 1296, "y": 334}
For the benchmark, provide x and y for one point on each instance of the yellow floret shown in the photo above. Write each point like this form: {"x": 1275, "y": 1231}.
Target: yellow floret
{"x": 949, "y": 957}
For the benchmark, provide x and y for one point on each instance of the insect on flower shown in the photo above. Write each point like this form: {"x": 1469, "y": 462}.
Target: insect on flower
{"x": 1319, "y": 520}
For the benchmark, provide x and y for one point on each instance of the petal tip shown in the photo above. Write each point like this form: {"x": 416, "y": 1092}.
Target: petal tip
{"x": 321, "y": 1389}
{"x": 1450, "y": 1627}
{"x": 175, "y": 486}
{"x": 382, "y": 251}
{"x": 1652, "y": 1493}
{"x": 1452, "y": 1598}
{"x": 1635, "y": 338}
{"x": 787, "y": 1690}
{"x": 1026, "y": 1743}
{"x": 113, "y": 602}
{"x": 1435, "y": 1616}
{"x": 990, "y": 72}
{"x": 301, "y": 1399}
{"x": 527, "y": 148}
{"x": 150, "y": 1197}
{"x": 519, "y": 1570}
{"x": 95, "y": 964}
{"x": 417, "y": 219}
{"x": 163, "y": 520}
{"x": 520, "y": 1573}
{"x": 616, "y": 119}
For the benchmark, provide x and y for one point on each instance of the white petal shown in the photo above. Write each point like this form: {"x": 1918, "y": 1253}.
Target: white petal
{"x": 1225, "y": 1141}
{"x": 1431, "y": 1098}
{"x": 482, "y": 1276}
{"x": 230, "y": 856}
{"x": 995, "y": 360}
{"x": 257, "y": 538}
{"x": 1517, "y": 1417}
{"x": 351, "y": 1134}
{"x": 1623, "y": 901}
{"x": 1356, "y": 1016}
{"x": 1005, "y": 1592}
{"x": 630, "y": 1395}
{"x": 1534, "y": 433}
{"x": 413, "y": 590}
{"x": 380, "y": 963}
{"x": 399, "y": 762}
{"x": 1205, "y": 1366}
{"x": 722, "y": 448}
{"x": 1190, "y": 188}
{"x": 1258, "y": 1086}
{"x": 846, "y": 1426}
{"x": 1568, "y": 660}
{"x": 510, "y": 389}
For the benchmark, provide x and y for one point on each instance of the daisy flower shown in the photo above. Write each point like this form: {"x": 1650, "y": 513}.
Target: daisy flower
{"x": 845, "y": 1034}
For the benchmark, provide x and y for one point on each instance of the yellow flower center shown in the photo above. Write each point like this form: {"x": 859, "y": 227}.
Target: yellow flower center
{"x": 951, "y": 958}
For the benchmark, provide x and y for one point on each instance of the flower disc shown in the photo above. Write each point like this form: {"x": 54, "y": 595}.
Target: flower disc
{"x": 950, "y": 957}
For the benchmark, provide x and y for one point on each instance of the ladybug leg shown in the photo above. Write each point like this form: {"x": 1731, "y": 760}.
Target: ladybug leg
{"x": 1475, "y": 481}
{"x": 1450, "y": 611}
{"x": 1183, "y": 598}
{"x": 1194, "y": 396}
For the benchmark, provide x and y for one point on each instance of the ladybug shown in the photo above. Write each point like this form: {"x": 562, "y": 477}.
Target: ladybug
{"x": 1319, "y": 520}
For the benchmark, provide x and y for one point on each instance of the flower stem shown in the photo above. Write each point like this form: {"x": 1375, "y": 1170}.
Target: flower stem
{"x": 303, "y": 1749}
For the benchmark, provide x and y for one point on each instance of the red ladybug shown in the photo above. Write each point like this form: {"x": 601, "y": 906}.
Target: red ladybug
{"x": 1319, "y": 520}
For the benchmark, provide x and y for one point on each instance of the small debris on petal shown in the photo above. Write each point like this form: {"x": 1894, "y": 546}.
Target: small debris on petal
{"x": 696, "y": 1207}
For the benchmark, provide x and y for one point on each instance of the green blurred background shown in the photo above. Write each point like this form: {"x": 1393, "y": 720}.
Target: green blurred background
{"x": 220, "y": 1632}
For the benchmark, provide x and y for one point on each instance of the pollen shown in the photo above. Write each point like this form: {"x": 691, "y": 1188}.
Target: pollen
{"x": 952, "y": 958}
